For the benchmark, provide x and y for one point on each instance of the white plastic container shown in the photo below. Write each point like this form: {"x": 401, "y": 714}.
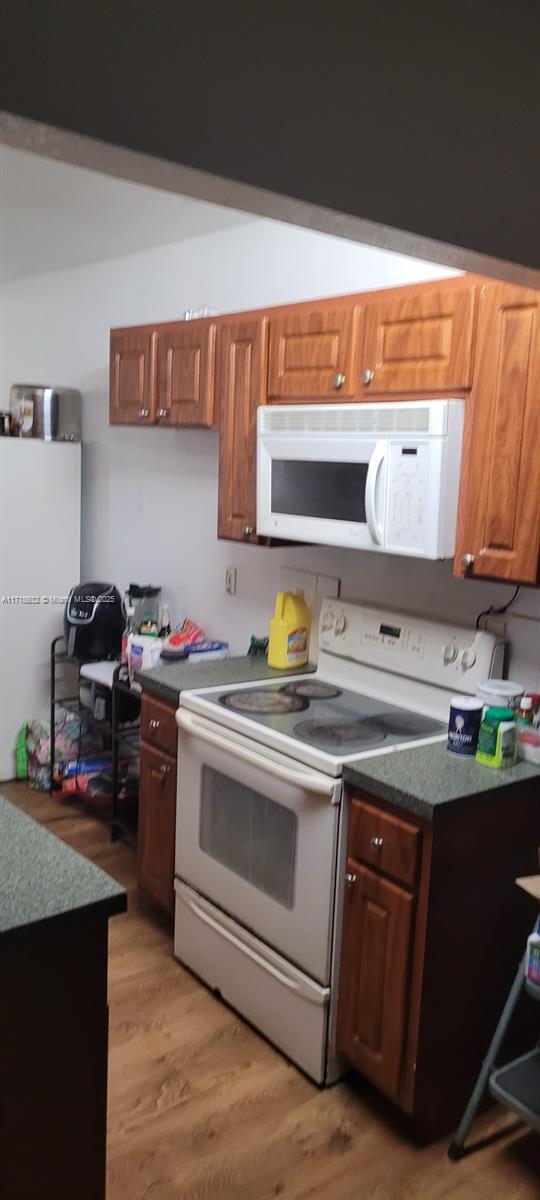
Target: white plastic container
{"x": 143, "y": 653}
{"x": 500, "y": 693}
{"x": 528, "y": 744}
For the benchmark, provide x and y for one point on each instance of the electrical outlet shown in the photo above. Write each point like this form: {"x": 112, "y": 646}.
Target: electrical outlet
{"x": 328, "y": 585}
{"x": 230, "y": 581}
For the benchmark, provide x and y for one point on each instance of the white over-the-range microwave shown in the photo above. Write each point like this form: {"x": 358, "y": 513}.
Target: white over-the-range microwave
{"x": 376, "y": 476}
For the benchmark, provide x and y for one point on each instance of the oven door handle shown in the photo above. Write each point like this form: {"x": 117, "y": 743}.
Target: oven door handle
{"x": 317, "y": 784}
{"x": 376, "y": 461}
{"x": 294, "y": 985}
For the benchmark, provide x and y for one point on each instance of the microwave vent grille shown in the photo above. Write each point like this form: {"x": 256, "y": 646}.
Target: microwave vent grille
{"x": 390, "y": 419}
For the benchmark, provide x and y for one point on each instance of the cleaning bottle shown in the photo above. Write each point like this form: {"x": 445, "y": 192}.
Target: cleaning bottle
{"x": 289, "y": 631}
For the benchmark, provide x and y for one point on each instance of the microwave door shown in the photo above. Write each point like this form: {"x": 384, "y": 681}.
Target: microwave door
{"x": 319, "y": 489}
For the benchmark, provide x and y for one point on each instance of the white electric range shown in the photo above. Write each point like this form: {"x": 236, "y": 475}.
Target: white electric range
{"x": 261, "y": 828}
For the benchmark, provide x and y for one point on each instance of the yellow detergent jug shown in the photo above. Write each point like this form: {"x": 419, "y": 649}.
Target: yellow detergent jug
{"x": 289, "y": 631}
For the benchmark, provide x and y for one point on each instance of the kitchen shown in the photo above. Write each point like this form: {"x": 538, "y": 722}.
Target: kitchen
{"x": 150, "y": 500}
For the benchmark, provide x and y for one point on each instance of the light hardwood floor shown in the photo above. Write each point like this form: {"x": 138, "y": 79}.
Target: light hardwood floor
{"x": 202, "y": 1108}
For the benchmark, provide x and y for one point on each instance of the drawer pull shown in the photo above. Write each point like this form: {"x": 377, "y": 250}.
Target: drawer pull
{"x": 154, "y": 724}
{"x": 350, "y": 879}
{"x": 376, "y": 842}
{"x": 164, "y": 770}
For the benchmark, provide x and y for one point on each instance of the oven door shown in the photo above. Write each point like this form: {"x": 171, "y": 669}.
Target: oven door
{"x": 323, "y": 488}
{"x": 256, "y": 834}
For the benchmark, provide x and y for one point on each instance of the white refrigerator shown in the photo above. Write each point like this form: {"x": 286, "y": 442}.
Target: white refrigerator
{"x": 40, "y": 549}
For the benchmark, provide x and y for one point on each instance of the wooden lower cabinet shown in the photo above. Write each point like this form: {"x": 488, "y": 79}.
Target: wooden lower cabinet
{"x": 157, "y": 815}
{"x": 377, "y": 926}
{"x": 426, "y": 966}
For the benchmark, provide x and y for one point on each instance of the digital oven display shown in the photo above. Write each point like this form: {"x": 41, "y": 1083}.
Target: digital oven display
{"x": 392, "y": 631}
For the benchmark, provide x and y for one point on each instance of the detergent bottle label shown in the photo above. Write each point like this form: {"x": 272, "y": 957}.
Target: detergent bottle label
{"x": 297, "y": 646}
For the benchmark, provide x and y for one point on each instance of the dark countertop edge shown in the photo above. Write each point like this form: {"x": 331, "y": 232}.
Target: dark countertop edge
{"x": 391, "y": 794}
{"x": 109, "y": 906}
{"x": 153, "y": 687}
{"x": 413, "y": 803}
{"x": 165, "y": 691}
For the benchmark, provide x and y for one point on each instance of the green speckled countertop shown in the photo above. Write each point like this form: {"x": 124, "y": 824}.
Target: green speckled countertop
{"x": 41, "y": 878}
{"x": 166, "y": 681}
{"x": 424, "y": 779}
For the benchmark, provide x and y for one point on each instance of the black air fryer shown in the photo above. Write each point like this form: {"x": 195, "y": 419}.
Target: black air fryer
{"x": 94, "y": 621}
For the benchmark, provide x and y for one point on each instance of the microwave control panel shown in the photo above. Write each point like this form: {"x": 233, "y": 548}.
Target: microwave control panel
{"x": 407, "y": 491}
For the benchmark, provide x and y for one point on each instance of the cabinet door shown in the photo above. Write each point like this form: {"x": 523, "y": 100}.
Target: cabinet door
{"x": 185, "y": 373}
{"x": 313, "y": 355}
{"x": 157, "y": 826}
{"x": 132, "y": 377}
{"x": 374, "y": 982}
{"x": 499, "y": 520}
{"x": 422, "y": 342}
{"x": 241, "y": 387}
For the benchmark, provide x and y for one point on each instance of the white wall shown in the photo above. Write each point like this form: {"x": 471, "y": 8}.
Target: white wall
{"x": 150, "y": 495}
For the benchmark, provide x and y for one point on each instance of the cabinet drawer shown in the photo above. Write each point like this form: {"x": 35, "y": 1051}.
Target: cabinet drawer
{"x": 384, "y": 842}
{"x": 158, "y": 725}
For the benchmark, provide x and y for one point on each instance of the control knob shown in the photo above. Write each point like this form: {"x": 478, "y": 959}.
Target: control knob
{"x": 340, "y": 625}
{"x": 467, "y": 658}
{"x": 449, "y": 653}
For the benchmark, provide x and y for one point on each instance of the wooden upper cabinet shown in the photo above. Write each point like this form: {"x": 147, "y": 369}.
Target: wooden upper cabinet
{"x": 313, "y": 354}
{"x": 421, "y": 341}
{"x": 132, "y": 377}
{"x": 185, "y": 373}
{"x": 499, "y": 520}
{"x": 374, "y": 980}
{"x": 241, "y": 365}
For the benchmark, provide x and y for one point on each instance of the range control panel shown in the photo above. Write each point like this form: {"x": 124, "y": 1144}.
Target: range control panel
{"x": 446, "y": 655}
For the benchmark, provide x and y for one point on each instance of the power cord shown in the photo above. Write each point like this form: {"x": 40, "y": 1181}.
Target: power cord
{"x": 492, "y": 611}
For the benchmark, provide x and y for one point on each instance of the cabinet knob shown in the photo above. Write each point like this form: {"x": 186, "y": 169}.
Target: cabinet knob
{"x": 144, "y": 412}
{"x": 376, "y": 842}
{"x": 350, "y": 879}
{"x": 164, "y": 770}
{"x": 339, "y": 380}
{"x": 367, "y": 376}
{"x": 154, "y": 724}
{"x": 248, "y": 530}
{"x": 162, "y": 412}
{"x": 467, "y": 561}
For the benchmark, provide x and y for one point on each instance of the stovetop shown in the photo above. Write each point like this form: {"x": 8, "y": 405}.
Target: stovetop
{"x": 331, "y": 720}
